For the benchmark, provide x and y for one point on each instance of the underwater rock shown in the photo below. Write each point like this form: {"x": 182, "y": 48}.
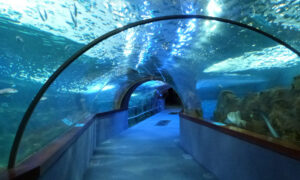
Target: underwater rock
{"x": 297, "y": 108}
{"x": 197, "y": 113}
{"x": 296, "y": 83}
{"x": 227, "y": 102}
{"x": 274, "y": 112}
{"x": 247, "y": 104}
{"x": 191, "y": 103}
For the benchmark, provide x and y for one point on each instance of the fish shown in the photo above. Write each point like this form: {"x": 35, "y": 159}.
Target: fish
{"x": 67, "y": 47}
{"x": 75, "y": 10}
{"x": 67, "y": 121}
{"x": 235, "y": 118}
{"x": 42, "y": 17}
{"x": 267, "y": 121}
{"x": 19, "y": 39}
{"x": 73, "y": 19}
{"x": 45, "y": 14}
{"x": 7, "y": 91}
{"x": 44, "y": 98}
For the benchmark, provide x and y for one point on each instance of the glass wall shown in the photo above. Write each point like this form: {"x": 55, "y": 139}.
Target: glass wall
{"x": 87, "y": 87}
{"x": 28, "y": 57}
{"x": 236, "y": 61}
{"x": 267, "y": 108}
{"x": 37, "y": 36}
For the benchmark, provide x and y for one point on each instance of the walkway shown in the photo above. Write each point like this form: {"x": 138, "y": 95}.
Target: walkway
{"x": 146, "y": 152}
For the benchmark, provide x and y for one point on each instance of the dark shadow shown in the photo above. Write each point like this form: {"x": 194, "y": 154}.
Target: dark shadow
{"x": 172, "y": 99}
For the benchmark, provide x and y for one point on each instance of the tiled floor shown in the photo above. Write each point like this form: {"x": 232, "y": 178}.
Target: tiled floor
{"x": 146, "y": 152}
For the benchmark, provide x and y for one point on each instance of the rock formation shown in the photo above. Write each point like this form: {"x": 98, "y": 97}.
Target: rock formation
{"x": 280, "y": 107}
{"x": 296, "y": 83}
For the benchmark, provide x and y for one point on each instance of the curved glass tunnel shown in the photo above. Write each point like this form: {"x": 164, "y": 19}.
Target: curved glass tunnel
{"x": 221, "y": 72}
{"x": 144, "y": 102}
{"x": 149, "y": 98}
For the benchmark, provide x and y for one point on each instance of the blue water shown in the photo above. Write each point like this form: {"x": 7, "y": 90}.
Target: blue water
{"x": 208, "y": 108}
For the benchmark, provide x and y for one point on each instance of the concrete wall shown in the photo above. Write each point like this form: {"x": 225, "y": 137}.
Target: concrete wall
{"x": 110, "y": 125}
{"x": 230, "y": 158}
{"x": 74, "y": 161}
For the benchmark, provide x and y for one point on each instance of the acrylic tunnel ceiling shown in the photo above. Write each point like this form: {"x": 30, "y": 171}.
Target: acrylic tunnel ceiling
{"x": 65, "y": 26}
{"x": 194, "y": 56}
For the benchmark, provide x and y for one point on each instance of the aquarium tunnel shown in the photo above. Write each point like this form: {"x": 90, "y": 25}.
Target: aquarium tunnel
{"x": 165, "y": 89}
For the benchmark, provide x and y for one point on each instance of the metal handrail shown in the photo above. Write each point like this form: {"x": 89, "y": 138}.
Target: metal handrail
{"x": 143, "y": 113}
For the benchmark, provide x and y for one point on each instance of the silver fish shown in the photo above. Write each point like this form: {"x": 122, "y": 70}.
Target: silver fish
{"x": 7, "y": 91}
{"x": 19, "y": 39}
{"x": 44, "y": 98}
{"x": 73, "y": 19}
{"x": 75, "y": 10}
{"x": 271, "y": 129}
{"x": 42, "y": 17}
{"x": 45, "y": 15}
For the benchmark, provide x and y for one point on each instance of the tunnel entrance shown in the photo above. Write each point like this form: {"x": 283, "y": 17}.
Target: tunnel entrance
{"x": 150, "y": 98}
{"x": 172, "y": 99}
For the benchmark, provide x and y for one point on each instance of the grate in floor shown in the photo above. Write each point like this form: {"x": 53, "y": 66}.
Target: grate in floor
{"x": 162, "y": 123}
